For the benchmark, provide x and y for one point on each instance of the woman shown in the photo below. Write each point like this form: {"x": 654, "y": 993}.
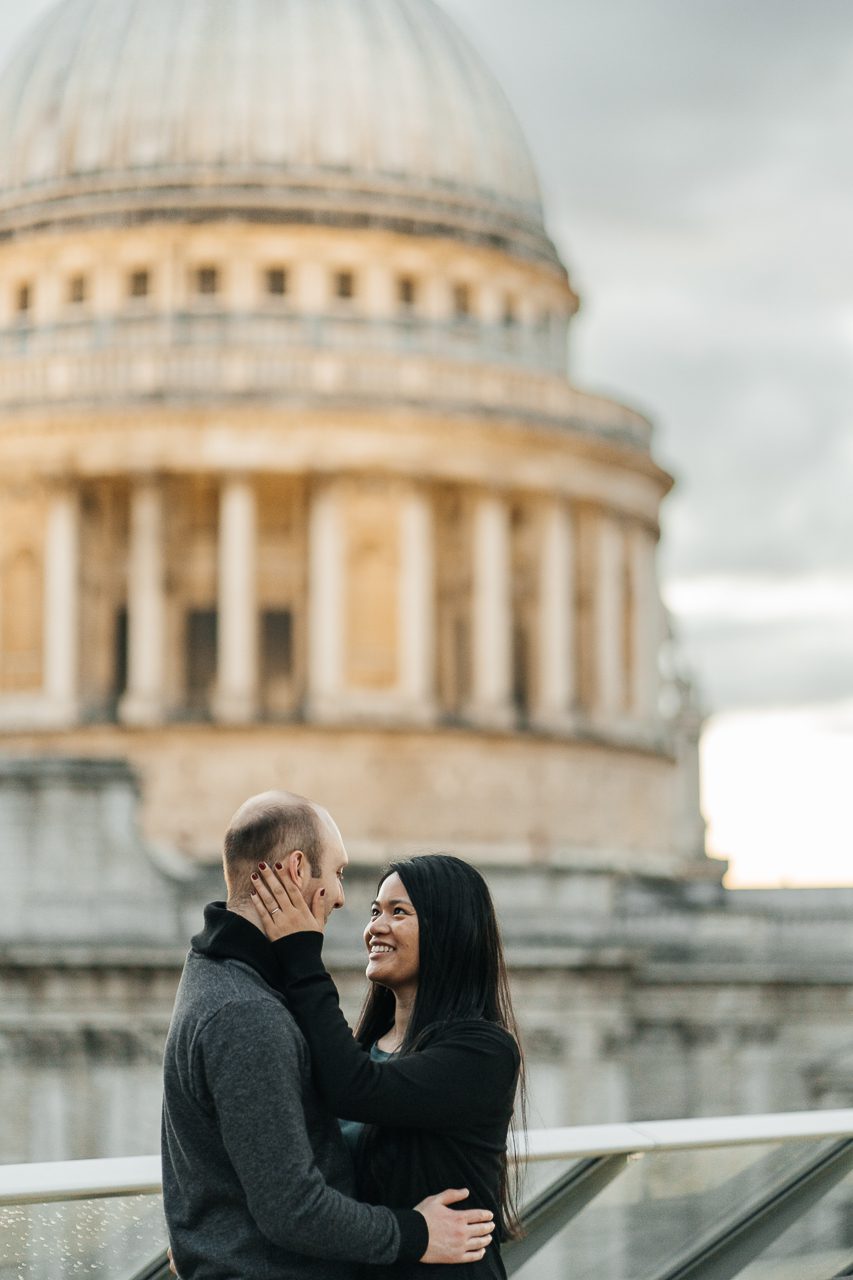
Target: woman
{"x": 426, "y": 1088}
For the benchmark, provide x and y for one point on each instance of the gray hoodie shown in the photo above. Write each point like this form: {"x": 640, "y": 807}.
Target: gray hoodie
{"x": 257, "y": 1182}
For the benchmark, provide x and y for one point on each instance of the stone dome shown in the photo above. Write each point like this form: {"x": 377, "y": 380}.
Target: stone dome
{"x": 378, "y": 110}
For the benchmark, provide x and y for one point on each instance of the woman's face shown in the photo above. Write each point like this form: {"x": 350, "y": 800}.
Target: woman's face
{"x": 391, "y": 937}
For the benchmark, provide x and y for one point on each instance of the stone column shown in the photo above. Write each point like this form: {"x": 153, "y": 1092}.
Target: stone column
{"x": 492, "y": 614}
{"x": 645, "y": 625}
{"x": 143, "y": 702}
{"x": 556, "y": 675}
{"x": 417, "y": 605}
{"x": 610, "y": 629}
{"x": 378, "y": 290}
{"x": 311, "y": 287}
{"x": 236, "y": 698}
{"x": 325, "y": 603}
{"x": 62, "y": 605}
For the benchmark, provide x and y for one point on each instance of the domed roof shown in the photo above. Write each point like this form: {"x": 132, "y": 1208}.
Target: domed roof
{"x": 321, "y": 106}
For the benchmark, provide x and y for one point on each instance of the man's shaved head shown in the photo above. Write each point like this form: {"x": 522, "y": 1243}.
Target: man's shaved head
{"x": 267, "y": 828}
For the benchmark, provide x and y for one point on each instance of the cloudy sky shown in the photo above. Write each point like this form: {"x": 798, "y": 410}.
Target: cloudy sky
{"x": 695, "y": 157}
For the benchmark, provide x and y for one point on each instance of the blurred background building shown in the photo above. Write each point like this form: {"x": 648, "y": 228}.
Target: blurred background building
{"x": 295, "y": 491}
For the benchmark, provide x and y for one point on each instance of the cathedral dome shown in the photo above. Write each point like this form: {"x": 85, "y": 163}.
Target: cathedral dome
{"x": 325, "y": 110}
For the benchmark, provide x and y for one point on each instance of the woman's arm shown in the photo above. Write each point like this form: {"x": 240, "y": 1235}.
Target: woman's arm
{"x": 467, "y": 1075}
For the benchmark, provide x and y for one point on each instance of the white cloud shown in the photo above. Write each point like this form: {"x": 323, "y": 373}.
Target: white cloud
{"x": 766, "y": 641}
{"x": 755, "y": 598}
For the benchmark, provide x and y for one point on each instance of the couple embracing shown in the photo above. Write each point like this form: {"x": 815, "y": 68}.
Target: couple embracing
{"x": 296, "y": 1149}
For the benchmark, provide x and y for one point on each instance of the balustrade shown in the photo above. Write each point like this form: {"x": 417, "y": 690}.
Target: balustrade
{"x": 457, "y": 365}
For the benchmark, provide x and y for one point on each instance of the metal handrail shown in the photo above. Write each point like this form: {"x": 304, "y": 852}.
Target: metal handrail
{"x": 683, "y": 1135}
{"x": 80, "y": 1180}
{"x": 141, "y": 1175}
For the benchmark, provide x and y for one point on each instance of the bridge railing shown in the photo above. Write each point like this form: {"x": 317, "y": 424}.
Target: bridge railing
{"x": 766, "y": 1197}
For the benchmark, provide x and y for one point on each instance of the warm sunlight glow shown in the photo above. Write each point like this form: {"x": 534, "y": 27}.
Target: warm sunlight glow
{"x": 776, "y": 793}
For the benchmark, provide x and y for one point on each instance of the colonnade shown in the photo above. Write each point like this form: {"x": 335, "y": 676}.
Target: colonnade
{"x": 596, "y": 590}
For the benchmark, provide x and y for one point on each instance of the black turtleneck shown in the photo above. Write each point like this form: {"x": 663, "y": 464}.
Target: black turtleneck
{"x": 256, "y": 1178}
{"x": 229, "y": 936}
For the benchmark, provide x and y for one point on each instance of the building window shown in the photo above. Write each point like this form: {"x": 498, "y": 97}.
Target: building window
{"x": 120, "y": 645}
{"x": 520, "y": 667}
{"x": 207, "y": 281}
{"x": 139, "y": 284}
{"x": 277, "y": 645}
{"x": 462, "y": 301}
{"x": 200, "y": 659}
{"x": 23, "y": 299}
{"x": 276, "y": 282}
{"x": 77, "y": 290}
{"x": 407, "y": 291}
{"x": 344, "y": 284}
{"x": 461, "y": 662}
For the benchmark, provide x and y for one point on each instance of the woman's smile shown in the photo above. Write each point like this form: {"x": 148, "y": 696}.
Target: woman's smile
{"x": 391, "y": 937}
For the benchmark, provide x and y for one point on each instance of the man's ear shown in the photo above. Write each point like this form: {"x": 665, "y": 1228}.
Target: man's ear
{"x": 297, "y": 865}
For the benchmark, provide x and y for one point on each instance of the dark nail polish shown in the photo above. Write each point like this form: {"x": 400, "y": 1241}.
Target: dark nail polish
{"x": 278, "y": 866}
{"x": 263, "y": 866}
{"x": 254, "y": 875}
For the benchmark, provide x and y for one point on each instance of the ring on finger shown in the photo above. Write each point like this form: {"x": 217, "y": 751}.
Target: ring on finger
{"x": 273, "y": 910}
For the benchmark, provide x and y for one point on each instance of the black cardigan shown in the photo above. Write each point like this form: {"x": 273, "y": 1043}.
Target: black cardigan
{"x": 441, "y": 1114}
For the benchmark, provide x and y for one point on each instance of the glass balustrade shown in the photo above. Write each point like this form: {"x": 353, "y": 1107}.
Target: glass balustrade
{"x": 819, "y": 1245}
{"x": 660, "y": 1208}
{"x": 107, "y": 1239}
{"x": 759, "y": 1198}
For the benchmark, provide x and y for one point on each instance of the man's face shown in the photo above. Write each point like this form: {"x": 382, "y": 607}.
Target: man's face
{"x": 332, "y": 865}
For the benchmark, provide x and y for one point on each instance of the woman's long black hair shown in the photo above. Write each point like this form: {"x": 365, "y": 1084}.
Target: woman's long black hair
{"x": 462, "y": 973}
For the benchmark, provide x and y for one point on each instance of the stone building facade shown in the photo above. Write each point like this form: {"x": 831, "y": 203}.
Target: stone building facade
{"x": 290, "y": 460}
{"x": 295, "y": 490}
{"x": 638, "y": 998}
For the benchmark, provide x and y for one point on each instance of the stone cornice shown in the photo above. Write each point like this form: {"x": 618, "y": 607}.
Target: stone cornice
{"x": 568, "y": 456}
{"x": 106, "y": 201}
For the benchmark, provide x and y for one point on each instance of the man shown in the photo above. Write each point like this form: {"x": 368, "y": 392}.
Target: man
{"x": 257, "y": 1182}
